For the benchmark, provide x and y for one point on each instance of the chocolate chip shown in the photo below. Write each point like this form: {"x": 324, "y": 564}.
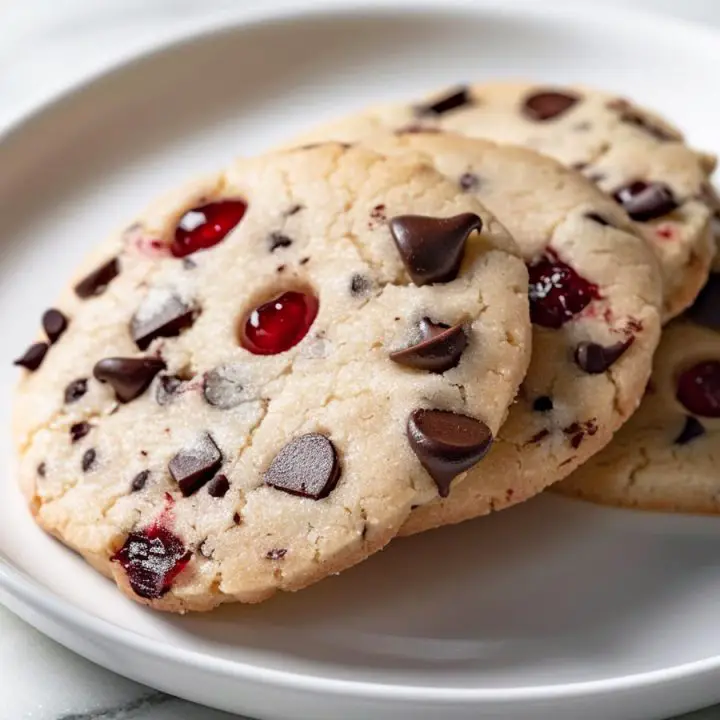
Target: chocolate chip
{"x": 139, "y": 481}
{"x": 79, "y": 430}
{"x": 692, "y": 429}
{"x": 223, "y": 387}
{"x": 378, "y": 213}
{"x": 192, "y": 467}
{"x": 54, "y": 323}
{"x": 75, "y": 390}
{"x": 277, "y": 240}
{"x": 453, "y": 100}
{"x": 646, "y": 201}
{"x": 41, "y": 470}
{"x": 431, "y": 248}
{"x": 218, "y": 486}
{"x": 293, "y": 210}
{"x": 469, "y": 182}
{"x": 88, "y": 459}
{"x": 276, "y": 554}
{"x": 706, "y": 308}
{"x": 307, "y": 466}
{"x": 438, "y": 349}
{"x": 359, "y": 285}
{"x": 168, "y": 387}
{"x": 594, "y": 358}
{"x": 447, "y": 444}
{"x": 304, "y": 261}
{"x": 599, "y": 219}
{"x": 547, "y": 104}
{"x": 97, "y": 281}
{"x": 538, "y": 436}
{"x": 166, "y": 319}
{"x": 577, "y": 432}
{"x": 237, "y": 519}
{"x": 129, "y": 377}
{"x": 543, "y": 404}
{"x": 33, "y": 356}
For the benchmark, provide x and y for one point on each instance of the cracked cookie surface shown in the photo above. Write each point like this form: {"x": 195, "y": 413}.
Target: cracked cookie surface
{"x": 595, "y": 299}
{"x": 629, "y": 152}
{"x": 667, "y": 456}
{"x": 251, "y": 386}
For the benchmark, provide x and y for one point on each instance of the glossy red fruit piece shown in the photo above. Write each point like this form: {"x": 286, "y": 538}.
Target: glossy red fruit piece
{"x": 279, "y": 324}
{"x": 205, "y": 226}
{"x": 152, "y": 559}
{"x": 698, "y": 389}
{"x": 557, "y": 292}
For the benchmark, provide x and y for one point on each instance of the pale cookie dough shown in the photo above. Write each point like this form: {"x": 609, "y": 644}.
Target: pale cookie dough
{"x": 595, "y": 302}
{"x": 629, "y": 152}
{"x": 251, "y": 386}
{"x": 667, "y": 457}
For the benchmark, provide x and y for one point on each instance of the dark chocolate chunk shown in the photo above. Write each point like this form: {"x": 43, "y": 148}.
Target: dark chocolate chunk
{"x": 75, "y": 390}
{"x": 223, "y": 387}
{"x": 139, "y": 481}
{"x": 97, "y": 281}
{"x": 594, "y": 358}
{"x": 33, "y": 356}
{"x": 79, "y": 430}
{"x": 276, "y": 554}
{"x": 218, "y": 486}
{"x": 706, "y": 308}
{"x": 88, "y": 459}
{"x": 307, "y": 466}
{"x": 469, "y": 182}
{"x": 359, "y": 285}
{"x": 646, "y": 201}
{"x": 237, "y": 519}
{"x": 543, "y": 404}
{"x": 599, "y": 219}
{"x": 447, "y": 444}
{"x": 54, "y": 323}
{"x": 277, "y": 240}
{"x": 433, "y": 248}
{"x": 453, "y": 100}
{"x": 692, "y": 429}
{"x": 192, "y": 467}
{"x": 129, "y": 377}
{"x": 167, "y": 319}
{"x": 547, "y": 104}
{"x": 42, "y": 470}
{"x": 438, "y": 349}
{"x": 167, "y": 388}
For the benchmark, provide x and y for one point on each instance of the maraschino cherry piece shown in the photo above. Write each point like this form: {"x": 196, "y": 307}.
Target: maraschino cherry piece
{"x": 280, "y": 324}
{"x": 698, "y": 389}
{"x": 205, "y": 226}
{"x": 557, "y": 292}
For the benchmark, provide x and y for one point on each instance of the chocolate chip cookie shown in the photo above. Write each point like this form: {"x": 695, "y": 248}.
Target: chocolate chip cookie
{"x": 595, "y": 303}
{"x": 667, "y": 457}
{"x": 632, "y": 154}
{"x": 250, "y": 387}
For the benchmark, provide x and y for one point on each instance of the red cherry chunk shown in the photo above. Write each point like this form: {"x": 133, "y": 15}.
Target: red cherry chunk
{"x": 698, "y": 389}
{"x": 205, "y": 226}
{"x": 152, "y": 559}
{"x": 557, "y": 292}
{"x": 279, "y": 324}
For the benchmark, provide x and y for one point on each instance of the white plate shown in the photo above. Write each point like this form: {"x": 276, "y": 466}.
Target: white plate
{"x": 554, "y": 610}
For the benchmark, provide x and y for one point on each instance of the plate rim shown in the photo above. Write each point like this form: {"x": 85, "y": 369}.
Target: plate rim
{"x": 40, "y": 599}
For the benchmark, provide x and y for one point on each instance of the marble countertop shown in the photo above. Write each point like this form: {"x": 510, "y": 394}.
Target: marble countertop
{"x": 40, "y": 680}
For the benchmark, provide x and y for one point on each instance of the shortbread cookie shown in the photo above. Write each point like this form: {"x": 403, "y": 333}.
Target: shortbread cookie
{"x": 595, "y": 298}
{"x": 667, "y": 457}
{"x": 251, "y": 387}
{"x": 630, "y": 153}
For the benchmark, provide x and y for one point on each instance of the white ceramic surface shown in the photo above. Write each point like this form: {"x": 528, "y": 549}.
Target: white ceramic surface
{"x": 552, "y": 610}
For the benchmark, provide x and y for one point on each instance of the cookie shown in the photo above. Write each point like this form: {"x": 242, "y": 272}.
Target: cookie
{"x": 668, "y": 454}
{"x": 595, "y": 299}
{"x": 251, "y": 386}
{"x": 630, "y": 153}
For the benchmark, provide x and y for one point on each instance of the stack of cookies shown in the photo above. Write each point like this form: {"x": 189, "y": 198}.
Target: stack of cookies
{"x": 408, "y": 318}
